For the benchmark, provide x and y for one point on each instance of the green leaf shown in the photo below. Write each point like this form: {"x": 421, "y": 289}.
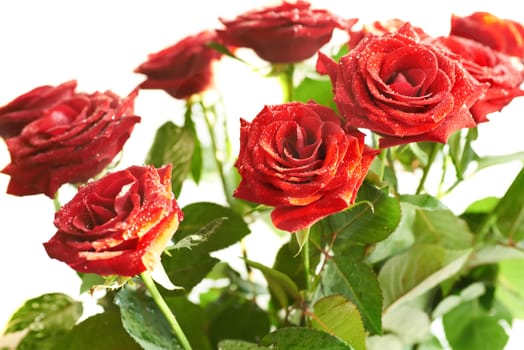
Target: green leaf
{"x": 48, "y": 311}
{"x": 424, "y": 201}
{"x": 192, "y": 319}
{"x": 200, "y": 236}
{"x": 197, "y": 157}
{"x": 318, "y": 89}
{"x": 45, "y": 319}
{"x": 186, "y": 268}
{"x": 101, "y": 332}
{"x": 510, "y": 286}
{"x": 144, "y": 322}
{"x": 510, "y": 210}
{"x": 494, "y": 254}
{"x": 302, "y": 237}
{"x": 356, "y": 281}
{"x": 469, "y": 327}
{"x": 372, "y": 219}
{"x": 338, "y": 316}
{"x": 295, "y": 338}
{"x": 487, "y": 161}
{"x": 287, "y": 262}
{"x": 235, "y": 317}
{"x": 442, "y": 227}
{"x": 172, "y": 145}
{"x": 281, "y": 286}
{"x": 460, "y": 150}
{"x": 383, "y": 342}
{"x": 401, "y": 238}
{"x": 471, "y": 292}
{"x": 197, "y": 215}
{"x": 411, "y": 324}
{"x": 239, "y": 345}
{"x": 418, "y": 270}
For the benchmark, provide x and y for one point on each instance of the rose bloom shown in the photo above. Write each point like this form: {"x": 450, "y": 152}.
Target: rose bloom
{"x": 118, "y": 224}
{"x": 487, "y": 66}
{"x": 30, "y": 106}
{"x": 402, "y": 89}
{"x": 301, "y": 159}
{"x": 381, "y": 27}
{"x": 503, "y": 35}
{"x": 69, "y": 142}
{"x": 183, "y": 69}
{"x": 285, "y": 33}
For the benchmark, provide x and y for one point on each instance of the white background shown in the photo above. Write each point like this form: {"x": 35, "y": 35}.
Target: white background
{"x": 100, "y": 42}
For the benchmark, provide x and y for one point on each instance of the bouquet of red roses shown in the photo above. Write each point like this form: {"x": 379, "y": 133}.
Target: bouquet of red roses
{"x": 370, "y": 256}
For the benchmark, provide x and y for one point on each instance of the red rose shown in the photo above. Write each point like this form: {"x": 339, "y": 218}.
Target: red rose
{"x": 302, "y": 160}
{"x": 503, "y": 35}
{"x": 403, "y": 89}
{"x": 30, "y": 106}
{"x": 487, "y": 66}
{"x": 118, "y": 224}
{"x": 286, "y": 33}
{"x": 381, "y": 27}
{"x": 183, "y": 69}
{"x": 69, "y": 142}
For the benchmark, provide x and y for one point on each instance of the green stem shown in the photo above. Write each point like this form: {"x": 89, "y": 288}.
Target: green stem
{"x": 216, "y": 151}
{"x": 164, "y": 308}
{"x": 432, "y": 155}
{"x": 286, "y": 80}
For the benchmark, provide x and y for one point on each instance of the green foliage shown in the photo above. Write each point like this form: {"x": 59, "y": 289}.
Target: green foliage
{"x": 470, "y": 327}
{"x": 418, "y": 270}
{"x": 102, "y": 332}
{"x": 338, "y": 316}
{"x": 295, "y": 338}
{"x": 356, "y": 281}
{"x": 173, "y": 145}
{"x": 144, "y": 322}
{"x": 232, "y": 229}
{"x": 46, "y": 319}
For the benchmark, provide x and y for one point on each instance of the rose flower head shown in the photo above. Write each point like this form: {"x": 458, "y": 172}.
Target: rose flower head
{"x": 118, "y": 224}
{"x": 69, "y": 141}
{"x": 31, "y": 105}
{"x": 183, "y": 69}
{"x": 285, "y": 33}
{"x": 503, "y": 73}
{"x": 403, "y": 89}
{"x": 503, "y": 35}
{"x": 380, "y": 27}
{"x": 301, "y": 159}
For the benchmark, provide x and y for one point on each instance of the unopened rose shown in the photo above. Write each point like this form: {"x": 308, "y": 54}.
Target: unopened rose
{"x": 403, "y": 89}
{"x": 30, "y": 106}
{"x": 69, "y": 142}
{"x": 503, "y": 74}
{"x": 183, "y": 69}
{"x": 503, "y": 35}
{"x": 301, "y": 159}
{"x": 118, "y": 224}
{"x": 285, "y": 33}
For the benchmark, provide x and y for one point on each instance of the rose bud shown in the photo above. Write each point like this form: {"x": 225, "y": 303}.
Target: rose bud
{"x": 285, "y": 33}
{"x": 301, "y": 159}
{"x": 118, "y": 224}
{"x": 403, "y": 89}
{"x": 503, "y": 74}
{"x": 183, "y": 69}
{"x": 504, "y": 35}
{"x": 31, "y": 105}
{"x": 70, "y": 142}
